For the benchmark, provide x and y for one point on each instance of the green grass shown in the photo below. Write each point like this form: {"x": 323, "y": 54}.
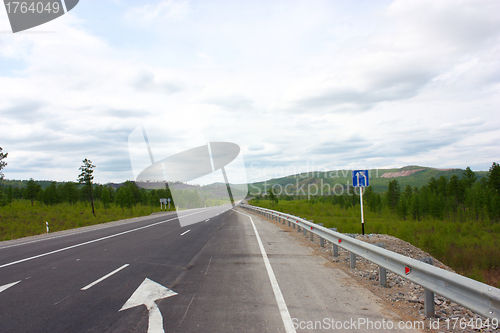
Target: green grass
{"x": 471, "y": 248}
{"x": 21, "y": 219}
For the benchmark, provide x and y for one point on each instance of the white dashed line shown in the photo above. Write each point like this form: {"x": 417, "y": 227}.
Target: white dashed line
{"x": 104, "y": 277}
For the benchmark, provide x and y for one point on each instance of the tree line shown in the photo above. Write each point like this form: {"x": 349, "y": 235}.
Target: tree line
{"x": 465, "y": 198}
{"x": 454, "y": 198}
{"x": 126, "y": 196}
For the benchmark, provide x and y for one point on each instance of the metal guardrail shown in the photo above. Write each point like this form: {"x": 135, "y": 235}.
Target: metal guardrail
{"x": 478, "y": 297}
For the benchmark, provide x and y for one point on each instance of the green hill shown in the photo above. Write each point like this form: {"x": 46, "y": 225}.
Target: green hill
{"x": 330, "y": 181}
{"x": 336, "y": 181}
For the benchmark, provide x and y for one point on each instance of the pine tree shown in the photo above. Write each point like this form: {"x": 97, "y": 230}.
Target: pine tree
{"x": 10, "y": 195}
{"x": 3, "y": 201}
{"x": 393, "y": 194}
{"x": 31, "y": 191}
{"x": 50, "y": 196}
{"x": 494, "y": 177}
{"x": 86, "y": 177}
{"x": 469, "y": 177}
{"x": 105, "y": 198}
{"x": 129, "y": 197}
{"x": 271, "y": 195}
{"x": 120, "y": 199}
{"x": 3, "y": 164}
{"x": 415, "y": 206}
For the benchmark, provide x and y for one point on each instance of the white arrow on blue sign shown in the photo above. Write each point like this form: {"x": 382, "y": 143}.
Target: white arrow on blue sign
{"x": 360, "y": 178}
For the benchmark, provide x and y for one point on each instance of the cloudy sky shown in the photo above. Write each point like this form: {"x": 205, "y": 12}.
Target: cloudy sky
{"x": 298, "y": 85}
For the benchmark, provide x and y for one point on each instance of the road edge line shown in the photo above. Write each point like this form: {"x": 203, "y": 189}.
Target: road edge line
{"x": 285, "y": 314}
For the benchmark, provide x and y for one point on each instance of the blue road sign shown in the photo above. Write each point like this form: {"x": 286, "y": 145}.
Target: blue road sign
{"x": 360, "y": 178}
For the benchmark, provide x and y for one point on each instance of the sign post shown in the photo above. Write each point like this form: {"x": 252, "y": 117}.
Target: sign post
{"x": 168, "y": 199}
{"x": 360, "y": 179}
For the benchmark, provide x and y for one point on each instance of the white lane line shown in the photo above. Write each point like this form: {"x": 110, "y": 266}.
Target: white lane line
{"x": 285, "y": 315}
{"x": 104, "y": 277}
{"x": 7, "y": 286}
{"x": 185, "y": 232}
{"x": 207, "y": 220}
{"x": 90, "y": 242}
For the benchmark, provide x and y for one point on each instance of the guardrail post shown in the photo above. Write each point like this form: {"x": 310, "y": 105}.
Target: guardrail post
{"x": 304, "y": 231}
{"x": 428, "y": 295}
{"x": 382, "y": 271}
{"x": 335, "y": 251}
{"x": 352, "y": 255}
{"x": 311, "y": 235}
{"x": 321, "y": 240}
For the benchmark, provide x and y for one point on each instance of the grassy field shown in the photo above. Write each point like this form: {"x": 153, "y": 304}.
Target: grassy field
{"x": 471, "y": 248}
{"x": 21, "y": 219}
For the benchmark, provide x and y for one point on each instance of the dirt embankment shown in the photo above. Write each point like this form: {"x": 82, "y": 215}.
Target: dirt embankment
{"x": 399, "y": 173}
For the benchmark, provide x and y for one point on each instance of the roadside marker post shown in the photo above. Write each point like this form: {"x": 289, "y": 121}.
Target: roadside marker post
{"x": 360, "y": 179}
{"x": 47, "y": 225}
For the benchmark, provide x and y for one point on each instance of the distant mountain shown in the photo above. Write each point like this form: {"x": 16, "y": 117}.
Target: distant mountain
{"x": 337, "y": 180}
{"x": 330, "y": 181}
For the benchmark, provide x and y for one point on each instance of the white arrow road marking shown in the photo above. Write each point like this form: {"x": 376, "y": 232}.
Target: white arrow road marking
{"x": 104, "y": 277}
{"x": 7, "y": 286}
{"x": 147, "y": 293}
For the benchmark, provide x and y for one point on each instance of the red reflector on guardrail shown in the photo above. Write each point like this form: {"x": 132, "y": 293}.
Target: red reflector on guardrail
{"x": 407, "y": 270}
{"x": 312, "y": 228}
{"x": 340, "y": 241}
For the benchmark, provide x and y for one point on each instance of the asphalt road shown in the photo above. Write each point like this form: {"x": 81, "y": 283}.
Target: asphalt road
{"x": 218, "y": 269}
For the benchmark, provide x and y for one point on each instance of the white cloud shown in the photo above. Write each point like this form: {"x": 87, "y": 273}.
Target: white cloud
{"x": 163, "y": 10}
{"x": 320, "y": 84}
